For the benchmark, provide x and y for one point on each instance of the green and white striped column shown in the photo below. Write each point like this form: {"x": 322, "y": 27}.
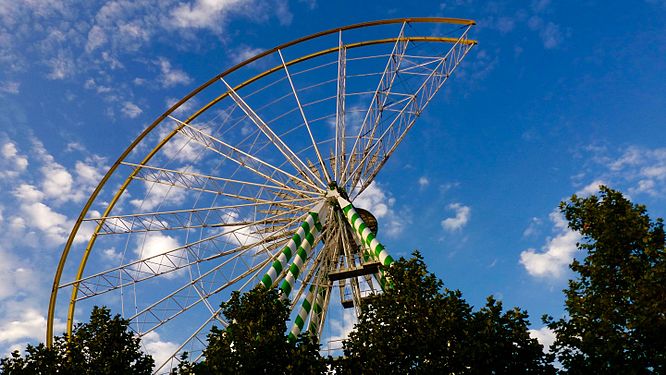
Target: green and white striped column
{"x": 302, "y": 253}
{"x": 317, "y": 311}
{"x": 381, "y": 279}
{"x": 302, "y": 316}
{"x": 301, "y": 243}
{"x": 366, "y": 235}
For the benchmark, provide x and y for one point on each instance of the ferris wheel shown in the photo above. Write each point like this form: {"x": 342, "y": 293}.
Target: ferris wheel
{"x": 251, "y": 180}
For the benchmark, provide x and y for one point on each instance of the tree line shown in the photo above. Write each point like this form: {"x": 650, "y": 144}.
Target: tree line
{"x": 615, "y": 320}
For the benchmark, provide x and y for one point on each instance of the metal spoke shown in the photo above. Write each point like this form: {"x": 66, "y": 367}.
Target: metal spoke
{"x": 234, "y": 154}
{"x": 340, "y": 136}
{"x": 294, "y": 160}
{"x": 324, "y": 170}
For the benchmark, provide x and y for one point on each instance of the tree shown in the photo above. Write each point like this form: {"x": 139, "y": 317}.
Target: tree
{"x": 255, "y": 340}
{"x": 416, "y": 326}
{"x": 104, "y": 345}
{"x": 501, "y": 343}
{"x": 616, "y": 306}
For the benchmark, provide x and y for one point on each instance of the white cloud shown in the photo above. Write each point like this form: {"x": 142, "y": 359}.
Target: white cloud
{"x": 203, "y": 13}
{"x": 25, "y": 323}
{"x": 556, "y": 254}
{"x": 89, "y": 174}
{"x": 423, "y": 182}
{"x": 9, "y": 150}
{"x": 161, "y": 351}
{"x": 591, "y": 188}
{"x": 57, "y": 182}
{"x": 533, "y": 228}
{"x": 381, "y": 205}
{"x": 244, "y": 52}
{"x": 341, "y": 328}
{"x": 16, "y": 276}
{"x": 374, "y": 200}
{"x": 631, "y": 157}
{"x": 111, "y": 254}
{"x": 131, "y": 110}
{"x": 545, "y": 336}
{"x": 637, "y": 170}
{"x": 31, "y": 325}
{"x": 461, "y": 218}
{"x": 28, "y": 193}
{"x": 282, "y": 12}
{"x": 184, "y": 108}
{"x": 155, "y": 244}
{"x": 180, "y": 147}
{"x": 10, "y": 87}
{"x": 171, "y": 76}
{"x": 53, "y": 225}
{"x": 157, "y": 195}
{"x": 96, "y": 38}
{"x": 152, "y": 246}
{"x": 91, "y": 84}
{"x": 549, "y": 32}
{"x": 61, "y": 65}
{"x": 12, "y": 163}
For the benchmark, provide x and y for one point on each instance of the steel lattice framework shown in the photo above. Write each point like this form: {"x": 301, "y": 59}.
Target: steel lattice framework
{"x": 250, "y": 180}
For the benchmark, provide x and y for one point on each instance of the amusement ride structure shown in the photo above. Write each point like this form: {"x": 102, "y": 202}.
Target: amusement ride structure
{"x": 251, "y": 180}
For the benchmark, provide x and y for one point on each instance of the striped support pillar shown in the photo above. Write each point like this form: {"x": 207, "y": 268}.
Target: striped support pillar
{"x": 302, "y": 316}
{"x": 317, "y": 312}
{"x": 304, "y": 232}
{"x": 381, "y": 279}
{"x": 302, "y": 253}
{"x": 367, "y": 237}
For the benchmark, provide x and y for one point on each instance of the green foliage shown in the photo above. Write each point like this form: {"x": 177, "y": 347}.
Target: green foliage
{"x": 102, "y": 346}
{"x": 416, "y": 327}
{"x": 617, "y": 304}
{"x": 255, "y": 341}
{"x": 501, "y": 344}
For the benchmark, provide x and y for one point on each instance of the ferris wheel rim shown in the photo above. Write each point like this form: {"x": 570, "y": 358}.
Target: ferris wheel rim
{"x": 64, "y": 257}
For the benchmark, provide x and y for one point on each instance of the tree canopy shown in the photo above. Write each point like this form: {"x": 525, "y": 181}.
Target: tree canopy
{"x": 417, "y": 326}
{"x": 616, "y": 305}
{"x": 104, "y": 345}
{"x": 255, "y": 341}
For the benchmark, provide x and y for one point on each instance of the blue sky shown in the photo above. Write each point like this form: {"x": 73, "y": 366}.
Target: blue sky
{"x": 556, "y": 98}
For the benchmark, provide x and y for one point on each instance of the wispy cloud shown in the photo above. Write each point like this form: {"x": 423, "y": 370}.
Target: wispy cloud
{"x": 636, "y": 170}
{"x": 172, "y": 76}
{"x": 10, "y": 87}
{"x": 533, "y": 227}
{"x": 204, "y": 14}
{"x": 131, "y": 110}
{"x": 549, "y": 32}
{"x": 462, "y": 215}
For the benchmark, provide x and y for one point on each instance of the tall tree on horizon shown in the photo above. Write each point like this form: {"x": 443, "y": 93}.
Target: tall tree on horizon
{"x": 104, "y": 345}
{"x": 616, "y": 305}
